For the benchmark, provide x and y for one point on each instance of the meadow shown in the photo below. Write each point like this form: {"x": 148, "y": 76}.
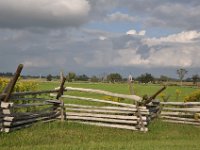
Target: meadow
{"x": 68, "y": 135}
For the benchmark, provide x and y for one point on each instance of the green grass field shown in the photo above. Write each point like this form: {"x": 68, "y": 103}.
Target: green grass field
{"x": 67, "y": 135}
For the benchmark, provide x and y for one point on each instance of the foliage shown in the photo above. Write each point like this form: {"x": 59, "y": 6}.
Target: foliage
{"x": 6, "y": 74}
{"x": 82, "y": 78}
{"x": 195, "y": 78}
{"x": 114, "y": 77}
{"x": 193, "y": 97}
{"x": 20, "y": 85}
{"x": 181, "y": 73}
{"x": 94, "y": 79}
{"x": 49, "y": 77}
{"x": 146, "y": 78}
{"x": 71, "y": 76}
{"x": 163, "y": 78}
{"x": 178, "y": 93}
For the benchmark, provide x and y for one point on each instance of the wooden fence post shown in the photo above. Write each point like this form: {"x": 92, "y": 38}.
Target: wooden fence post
{"x": 9, "y": 88}
{"x": 141, "y": 125}
{"x": 60, "y": 93}
{"x": 130, "y": 85}
{"x": 5, "y": 105}
{"x": 154, "y": 95}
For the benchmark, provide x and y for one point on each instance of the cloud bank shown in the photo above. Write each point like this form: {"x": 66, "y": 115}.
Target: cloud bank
{"x": 43, "y": 13}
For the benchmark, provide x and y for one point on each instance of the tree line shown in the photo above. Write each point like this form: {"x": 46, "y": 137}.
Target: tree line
{"x": 143, "y": 78}
{"x": 116, "y": 77}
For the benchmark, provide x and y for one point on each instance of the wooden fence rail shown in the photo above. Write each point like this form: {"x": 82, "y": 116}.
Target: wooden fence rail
{"x": 180, "y": 112}
{"x": 110, "y": 114}
{"x": 21, "y": 109}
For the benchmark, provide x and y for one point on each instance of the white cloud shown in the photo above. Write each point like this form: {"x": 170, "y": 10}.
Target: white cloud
{"x": 183, "y": 37}
{"x": 134, "y": 32}
{"x": 120, "y": 17}
{"x": 142, "y": 32}
{"x": 102, "y": 38}
{"x": 43, "y": 13}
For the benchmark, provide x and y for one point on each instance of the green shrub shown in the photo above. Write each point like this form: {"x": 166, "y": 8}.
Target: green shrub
{"x": 193, "y": 97}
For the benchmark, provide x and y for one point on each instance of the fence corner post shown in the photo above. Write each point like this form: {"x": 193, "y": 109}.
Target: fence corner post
{"x": 60, "y": 93}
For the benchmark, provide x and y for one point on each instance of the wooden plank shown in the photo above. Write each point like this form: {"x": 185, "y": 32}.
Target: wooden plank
{"x": 99, "y": 107}
{"x": 181, "y": 103}
{"x": 177, "y": 113}
{"x": 194, "y": 110}
{"x": 154, "y": 96}
{"x": 180, "y": 119}
{"x": 99, "y": 111}
{"x": 31, "y": 105}
{"x": 98, "y": 100}
{"x": 53, "y": 101}
{"x": 11, "y": 118}
{"x": 29, "y": 93}
{"x": 22, "y": 122}
{"x": 12, "y": 83}
{"x": 61, "y": 89}
{"x": 182, "y": 122}
{"x": 141, "y": 122}
{"x": 9, "y": 129}
{"x": 27, "y": 99}
{"x": 111, "y": 125}
{"x": 108, "y": 120}
{"x": 105, "y": 107}
{"x": 105, "y": 116}
{"x": 6, "y": 104}
{"x": 132, "y": 97}
{"x": 16, "y": 114}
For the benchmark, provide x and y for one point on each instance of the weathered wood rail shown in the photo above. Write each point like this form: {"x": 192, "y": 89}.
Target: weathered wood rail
{"x": 22, "y": 109}
{"x": 109, "y": 114}
{"x": 180, "y": 112}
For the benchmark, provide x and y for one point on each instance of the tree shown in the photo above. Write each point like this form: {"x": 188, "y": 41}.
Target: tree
{"x": 71, "y": 76}
{"x": 114, "y": 77}
{"x": 163, "y": 78}
{"x": 181, "y": 74}
{"x": 82, "y": 77}
{"x": 195, "y": 78}
{"x": 94, "y": 79}
{"x": 146, "y": 78}
{"x": 49, "y": 77}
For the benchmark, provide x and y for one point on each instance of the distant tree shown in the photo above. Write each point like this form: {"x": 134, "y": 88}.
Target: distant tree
{"x": 188, "y": 79}
{"x": 71, "y": 76}
{"x": 6, "y": 74}
{"x": 49, "y": 77}
{"x": 82, "y": 77}
{"x": 114, "y": 77}
{"x": 181, "y": 74}
{"x": 195, "y": 78}
{"x": 94, "y": 79}
{"x": 146, "y": 78}
{"x": 163, "y": 78}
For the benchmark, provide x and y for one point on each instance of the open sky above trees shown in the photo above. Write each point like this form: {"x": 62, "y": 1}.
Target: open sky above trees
{"x": 97, "y": 36}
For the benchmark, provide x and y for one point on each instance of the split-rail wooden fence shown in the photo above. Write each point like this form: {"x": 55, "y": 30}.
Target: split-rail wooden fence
{"x": 22, "y": 109}
{"x": 113, "y": 114}
{"x": 180, "y": 112}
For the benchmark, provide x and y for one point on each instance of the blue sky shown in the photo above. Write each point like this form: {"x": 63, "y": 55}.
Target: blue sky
{"x": 96, "y": 36}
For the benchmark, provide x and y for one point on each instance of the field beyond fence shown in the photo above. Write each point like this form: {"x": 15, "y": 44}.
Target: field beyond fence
{"x": 72, "y": 135}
